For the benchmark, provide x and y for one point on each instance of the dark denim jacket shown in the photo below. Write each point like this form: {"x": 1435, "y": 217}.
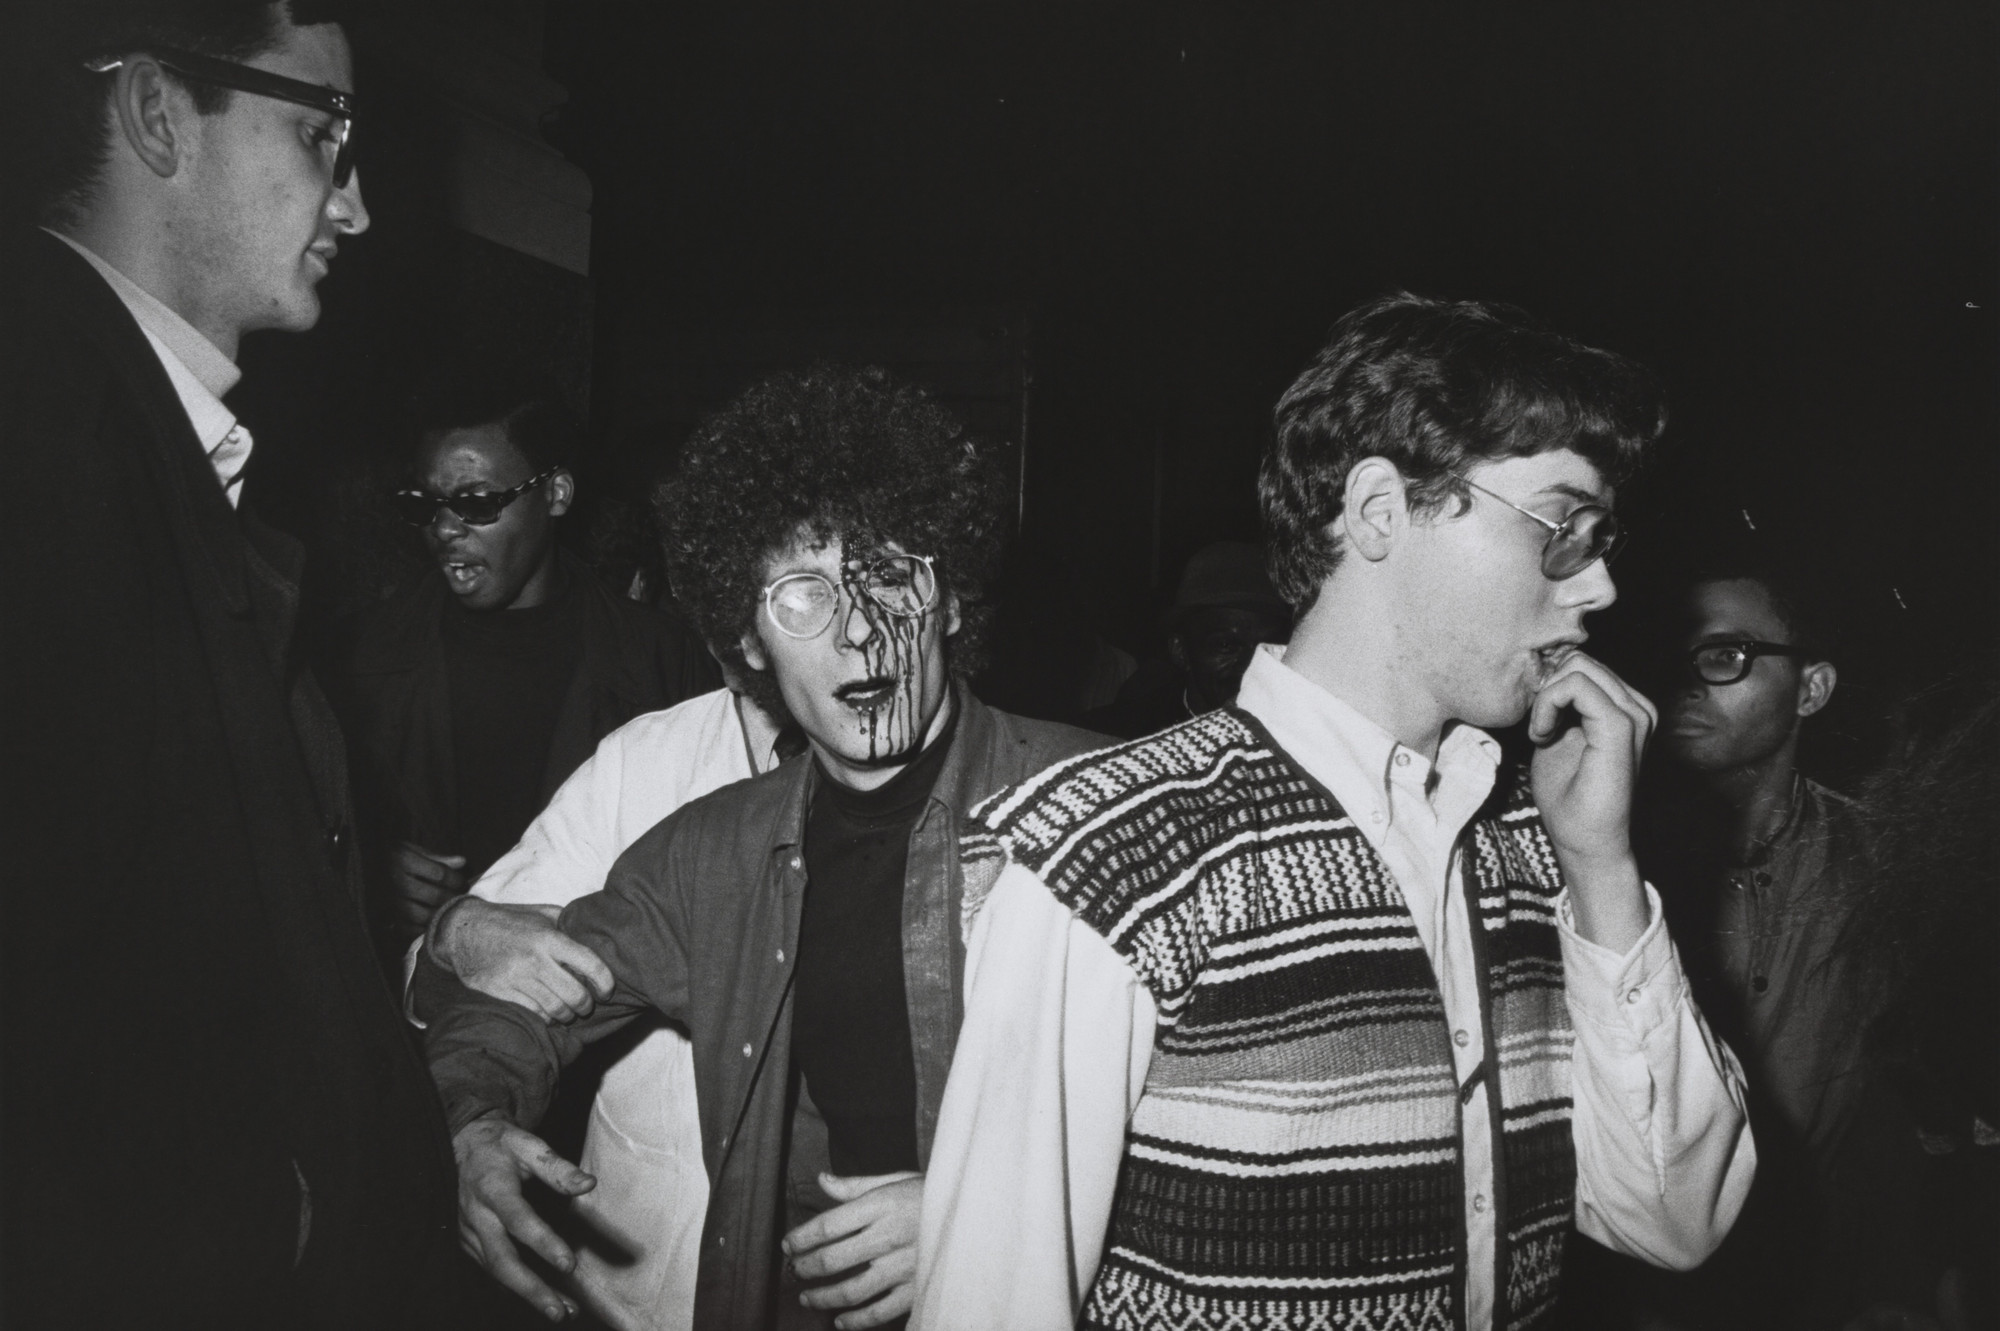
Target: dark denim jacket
{"x": 699, "y": 921}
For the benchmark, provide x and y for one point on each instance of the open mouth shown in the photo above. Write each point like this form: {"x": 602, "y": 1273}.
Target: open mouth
{"x": 462, "y": 575}
{"x": 868, "y": 694}
{"x": 1550, "y": 659}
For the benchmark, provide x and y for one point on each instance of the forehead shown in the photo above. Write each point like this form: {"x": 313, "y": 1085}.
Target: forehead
{"x": 1561, "y": 476}
{"x": 477, "y": 455}
{"x": 804, "y": 553}
{"x": 317, "y": 54}
{"x": 1734, "y": 607}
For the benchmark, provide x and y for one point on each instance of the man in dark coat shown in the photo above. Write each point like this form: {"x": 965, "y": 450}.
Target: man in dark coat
{"x": 473, "y": 694}
{"x": 212, "y": 1116}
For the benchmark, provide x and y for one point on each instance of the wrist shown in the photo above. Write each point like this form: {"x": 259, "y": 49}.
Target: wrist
{"x": 439, "y": 935}
{"x": 1607, "y": 898}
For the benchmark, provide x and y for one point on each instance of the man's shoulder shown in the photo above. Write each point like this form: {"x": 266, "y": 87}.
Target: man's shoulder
{"x": 1189, "y": 774}
{"x": 1027, "y": 746}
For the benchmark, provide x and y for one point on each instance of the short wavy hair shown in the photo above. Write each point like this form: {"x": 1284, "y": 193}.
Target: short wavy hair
{"x": 1436, "y": 386}
{"x": 836, "y": 454}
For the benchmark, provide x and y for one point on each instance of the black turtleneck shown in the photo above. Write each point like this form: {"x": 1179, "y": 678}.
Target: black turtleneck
{"x": 851, "y": 1028}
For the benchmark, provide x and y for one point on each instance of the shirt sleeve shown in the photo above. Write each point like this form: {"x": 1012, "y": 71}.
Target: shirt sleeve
{"x": 1663, "y": 1146}
{"x": 1050, "y": 1063}
{"x": 487, "y": 1055}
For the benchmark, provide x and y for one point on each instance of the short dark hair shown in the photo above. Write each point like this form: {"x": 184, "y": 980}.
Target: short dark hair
{"x": 1802, "y": 596}
{"x": 526, "y": 403}
{"x": 1435, "y": 386}
{"x": 841, "y": 454}
{"x": 59, "y": 138}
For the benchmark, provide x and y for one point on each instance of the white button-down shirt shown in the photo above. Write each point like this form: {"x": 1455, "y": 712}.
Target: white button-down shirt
{"x": 200, "y": 373}
{"x": 1058, "y": 1035}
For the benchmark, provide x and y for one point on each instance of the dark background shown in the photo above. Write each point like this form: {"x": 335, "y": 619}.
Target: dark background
{"x": 1148, "y": 215}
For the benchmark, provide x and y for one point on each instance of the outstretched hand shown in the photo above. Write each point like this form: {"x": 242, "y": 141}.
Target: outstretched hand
{"x": 518, "y": 955}
{"x": 875, "y": 1227}
{"x": 1591, "y": 729}
{"x": 494, "y": 1159}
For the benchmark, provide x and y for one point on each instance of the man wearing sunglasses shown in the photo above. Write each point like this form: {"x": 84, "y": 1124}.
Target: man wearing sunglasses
{"x": 470, "y": 696}
{"x": 1756, "y": 863}
{"x": 212, "y": 1114}
{"x": 835, "y": 535}
{"x": 1317, "y": 1010}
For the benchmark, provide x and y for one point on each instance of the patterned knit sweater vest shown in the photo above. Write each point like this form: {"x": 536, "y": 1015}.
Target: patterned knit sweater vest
{"x": 1294, "y": 1160}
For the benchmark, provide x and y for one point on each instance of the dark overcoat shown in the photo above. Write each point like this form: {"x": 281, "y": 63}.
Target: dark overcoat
{"x": 198, "y": 1044}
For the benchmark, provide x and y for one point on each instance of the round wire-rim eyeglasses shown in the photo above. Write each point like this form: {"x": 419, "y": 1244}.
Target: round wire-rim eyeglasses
{"x": 1589, "y": 533}
{"x": 801, "y": 605}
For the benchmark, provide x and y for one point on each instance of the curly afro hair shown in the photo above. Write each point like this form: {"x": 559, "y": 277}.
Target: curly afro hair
{"x": 833, "y": 454}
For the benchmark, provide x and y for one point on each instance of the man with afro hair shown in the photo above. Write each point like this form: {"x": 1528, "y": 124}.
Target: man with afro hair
{"x": 832, "y": 533}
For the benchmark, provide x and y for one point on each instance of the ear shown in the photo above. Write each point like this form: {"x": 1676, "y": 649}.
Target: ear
{"x": 754, "y": 654}
{"x": 152, "y": 114}
{"x": 1816, "y": 683}
{"x": 562, "y": 492}
{"x": 951, "y": 616}
{"x": 1374, "y": 508}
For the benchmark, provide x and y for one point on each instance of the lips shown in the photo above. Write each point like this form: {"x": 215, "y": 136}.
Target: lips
{"x": 462, "y": 575}
{"x": 867, "y": 694}
{"x": 1551, "y": 657}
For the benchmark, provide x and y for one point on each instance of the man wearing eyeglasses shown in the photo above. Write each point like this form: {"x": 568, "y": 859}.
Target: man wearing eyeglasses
{"x": 835, "y": 535}
{"x": 212, "y": 1116}
{"x": 1318, "y": 1010}
{"x": 473, "y": 694}
{"x": 1757, "y": 878}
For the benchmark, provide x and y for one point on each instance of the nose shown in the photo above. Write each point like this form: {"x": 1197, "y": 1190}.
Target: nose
{"x": 445, "y": 524}
{"x": 345, "y": 208}
{"x": 856, "y": 628}
{"x": 1590, "y": 590}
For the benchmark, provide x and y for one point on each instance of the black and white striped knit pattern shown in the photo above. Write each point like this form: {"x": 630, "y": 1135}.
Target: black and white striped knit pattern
{"x": 1294, "y": 1160}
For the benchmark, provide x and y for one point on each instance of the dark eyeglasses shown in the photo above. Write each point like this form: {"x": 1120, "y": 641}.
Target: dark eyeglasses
{"x": 262, "y": 83}
{"x": 1728, "y": 662}
{"x": 801, "y": 605}
{"x": 1590, "y": 533}
{"x": 420, "y": 508}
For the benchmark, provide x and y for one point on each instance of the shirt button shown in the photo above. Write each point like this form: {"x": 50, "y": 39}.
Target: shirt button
{"x": 781, "y": 956}
{"x": 725, "y": 1143}
{"x": 1479, "y": 1202}
{"x": 1759, "y": 984}
{"x": 746, "y": 1051}
{"x": 1631, "y": 997}
{"x": 722, "y": 1240}
{"x": 1461, "y": 1038}
{"x": 795, "y": 861}
{"x": 1402, "y": 758}
{"x": 1374, "y": 815}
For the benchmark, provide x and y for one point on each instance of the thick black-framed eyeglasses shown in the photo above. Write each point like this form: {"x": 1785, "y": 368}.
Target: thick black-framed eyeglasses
{"x": 420, "y": 508}
{"x": 801, "y": 605}
{"x": 1728, "y": 662}
{"x": 261, "y": 83}
{"x": 1589, "y": 533}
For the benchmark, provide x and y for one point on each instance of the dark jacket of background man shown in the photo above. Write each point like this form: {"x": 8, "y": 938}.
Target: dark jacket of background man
{"x": 195, "y": 1028}
{"x": 394, "y": 694}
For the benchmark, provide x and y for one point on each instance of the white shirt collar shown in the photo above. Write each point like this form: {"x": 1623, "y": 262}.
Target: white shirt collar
{"x": 1353, "y": 757}
{"x": 200, "y": 373}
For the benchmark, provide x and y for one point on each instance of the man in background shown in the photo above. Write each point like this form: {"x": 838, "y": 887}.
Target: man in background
{"x": 1225, "y": 605}
{"x": 212, "y": 1114}
{"x": 473, "y": 695}
{"x": 1757, "y": 863}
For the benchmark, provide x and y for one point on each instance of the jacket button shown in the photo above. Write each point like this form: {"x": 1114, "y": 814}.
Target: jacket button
{"x": 1760, "y": 983}
{"x": 781, "y": 956}
{"x": 746, "y": 1051}
{"x": 336, "y": 846}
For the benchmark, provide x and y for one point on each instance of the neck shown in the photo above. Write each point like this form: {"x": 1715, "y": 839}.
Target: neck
{"x": 1351, "y": 646}
{"x": 1758, "y": 796}
{"x": 136, "y": 252}
{"x": 538, "y": 589}
{"x": 856, "y": 776}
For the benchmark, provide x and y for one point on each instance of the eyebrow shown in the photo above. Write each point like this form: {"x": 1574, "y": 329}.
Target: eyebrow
{"x": 1575, "y": 492}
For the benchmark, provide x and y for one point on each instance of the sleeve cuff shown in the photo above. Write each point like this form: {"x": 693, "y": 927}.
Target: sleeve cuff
{"x": 1632, "y": 993}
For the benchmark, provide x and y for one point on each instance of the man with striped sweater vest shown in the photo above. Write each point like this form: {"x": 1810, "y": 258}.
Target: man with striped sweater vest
{"x": 1316, "y": 1011}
